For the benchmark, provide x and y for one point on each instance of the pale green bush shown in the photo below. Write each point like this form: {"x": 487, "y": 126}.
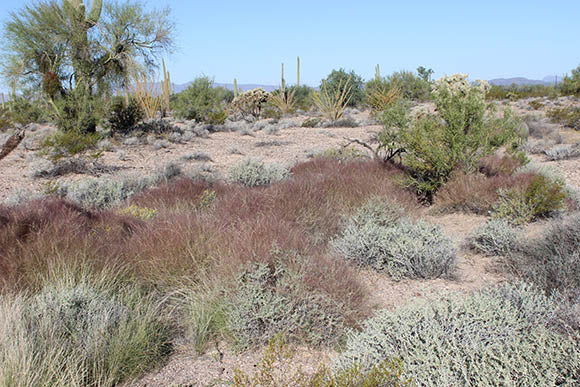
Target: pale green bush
{"x": 492, "y": 337}
{"x": 496, "y": 237}
{"x": 252, "y": 173}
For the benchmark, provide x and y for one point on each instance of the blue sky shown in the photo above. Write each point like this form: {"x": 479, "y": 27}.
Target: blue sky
{"x": 248, "y": 40}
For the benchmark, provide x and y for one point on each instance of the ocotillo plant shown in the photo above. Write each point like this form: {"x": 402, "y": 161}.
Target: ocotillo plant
{"x": 297, "y": 71}
{"x": 81, "y": 23}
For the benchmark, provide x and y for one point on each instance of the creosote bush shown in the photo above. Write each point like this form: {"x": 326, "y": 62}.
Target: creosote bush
{"x": 496, "y": 237}
{"x": 253, "y": 173}
{"x": 350, "y": 84}
{"x": 487, "y": 338}
{"x": 202, "y": 102}
{"x": 375, "y": 236}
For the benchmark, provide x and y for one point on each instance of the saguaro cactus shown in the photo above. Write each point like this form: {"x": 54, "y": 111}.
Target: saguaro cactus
{"x": 235, "y": 87}
{"x": 283, "y": 82}
{"x": 377, "y": 73}
{"x": 298, "y": 71}
{"x": 81, "y": 23}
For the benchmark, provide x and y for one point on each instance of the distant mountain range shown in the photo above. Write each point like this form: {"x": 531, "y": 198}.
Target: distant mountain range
{"x": 520, "y": 81}
{"x": 229, "y": 86}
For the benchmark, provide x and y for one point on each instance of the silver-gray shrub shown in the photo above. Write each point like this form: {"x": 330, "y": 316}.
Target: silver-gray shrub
{"x": 496, "y": 237}
{"x": 404, "y": 249}
{"x": 252, "y": 173}
{"x": 107, "y": 192}
{"x": 269, "y": 300}
{"x": 563, "y": 152}
{"x": 498, "y": 336}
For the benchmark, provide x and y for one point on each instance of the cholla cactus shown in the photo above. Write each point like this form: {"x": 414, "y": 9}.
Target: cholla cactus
{"x": 250, "y": 103}
{"x": 458, "y": 85}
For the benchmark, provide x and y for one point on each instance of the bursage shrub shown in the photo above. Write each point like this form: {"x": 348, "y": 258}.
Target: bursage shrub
{"x": 496, "y": 237}
{"x": 492, "y": 337}
{"x": 272, "y": 299}
{"x": 253, "y": 173}
{"x": 379, "y": 238}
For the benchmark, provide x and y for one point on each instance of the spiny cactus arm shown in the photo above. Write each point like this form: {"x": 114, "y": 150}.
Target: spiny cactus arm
{"x": 95, "y": 13}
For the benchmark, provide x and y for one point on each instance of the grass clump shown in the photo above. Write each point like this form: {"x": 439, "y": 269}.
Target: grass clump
{"x": 272, "y": 298}
{"x": 496, "y": 237}
{"x": 375, "y": 236}
{"x": 490, "y": 337}
{"x": 79, "y": 334}
{"x": 253, "y": 173}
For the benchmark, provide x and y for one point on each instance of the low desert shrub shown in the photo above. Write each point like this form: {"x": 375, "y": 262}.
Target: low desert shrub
{"x": 552, "y": 261}
{"x": 68, "y": 143}
{"x": 376, "y": 238}
{"x": 343, "y": 154}
{"x": 563, "y": 152}
{"x": 202, "y": 102}
{"x": 26, "y": 110}
{"x": 272, "y": 298}
{"x": 106, "y": 192}
{"x": 5, "y": 121}
{"x": 541, "y": 197}
{"x": 79, "y": 335}
{"x": 567, "y": 116}
{"x": 121, "y": 117}
{"x": 486, "y": 338}
{"x": 495, "y": 165}
{"x": 410, "y": 86}
{"x": 252, "y": 173}
{"x": 496, "y": 237}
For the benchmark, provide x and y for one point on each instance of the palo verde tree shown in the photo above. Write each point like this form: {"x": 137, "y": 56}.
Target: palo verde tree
{"x": 81, "y": 49}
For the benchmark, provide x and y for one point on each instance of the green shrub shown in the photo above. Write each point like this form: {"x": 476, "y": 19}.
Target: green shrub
{"x": 252, "y": 173}
{"x": 491, "y": 337}
{"x": 433, "y": 146}
{"x": 272, "y": 299}
{"x": 311, "y": 122}
{"x": 26, "y": 110}
{"x": 411, "y": 86}
{"x": 79, "y": 335}
{"x": 496, "y": 237}
{"x": 78, "y": 113}
{"x": 376, "y": 238}
{"x": 552, "y": 261}
{"x": 68, "y": 143}
{"x": 339, "y": 80}
{"x": 302, "y": 97}
{"x": 202, "y": 102}
{"x": 570, "y": 85}
{"x": 567, "y": 116}
{"x": 540, "y": 198}
{"x": 124, "y": 118}
{"x": 4, "y": 118}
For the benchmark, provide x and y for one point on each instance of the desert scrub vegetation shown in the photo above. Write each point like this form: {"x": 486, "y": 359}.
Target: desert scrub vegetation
{"x": 457, "y": 137}
{"x": 272, "y": 371}
{"x": 202, "y": 102}
{"x": 349, "y": 85}
{"x": 122, "y": 116}
{"x": 489, "y": 337}
{"x": 79, "y": 334}
{"x": 377, "y": 236}
{"x": 253, "y": 173}
{"x": 495, "y": 237}
{"x": 567, "y": 116}
{"x": 332, "y": 103}
{"x": 551, "y": 261}
{"x": 271, "y": 299}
